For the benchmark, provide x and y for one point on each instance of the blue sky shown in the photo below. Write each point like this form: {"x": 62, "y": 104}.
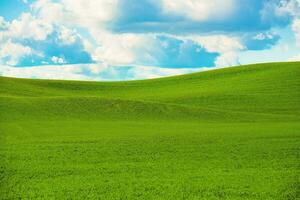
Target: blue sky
{"x": 141, "y": 39}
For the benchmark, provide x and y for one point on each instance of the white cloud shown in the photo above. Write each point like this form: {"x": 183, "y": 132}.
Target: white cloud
{"x": 121, "y": 49}
{"x": 90, "y": 14}
{"x": 57, "y": 60}
{"x": 116, "y": 49}
{"x": 30, "y": 27}
{"x": 109, "y": 48}
{"x": 227, "y": 46}
{"x": 201, "y": 10}
{"x": 112, "y": 49}
{"x": 11, "y": 52}
{"x": 87, "y": 45}
{"x": 296, "y": 29}
{"x": 227, "y": 59}
{"x": 71, "y": 72}
{"x": 67, "y": 36}
{"x": 218, "y": 43}
{"x": 99, "y": 72}
{"x": 146, "y": 72}
{"x": 263, "y": 36}
{"x": 291, "y": 7}
{"x": 130, "y": 48}
{"x": 96, "y": 69}
{"x": 45, "y": 10}
{"x": 27, "y": 27}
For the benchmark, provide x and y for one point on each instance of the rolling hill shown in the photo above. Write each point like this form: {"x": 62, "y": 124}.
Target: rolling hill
{"x": 230, "y": 133}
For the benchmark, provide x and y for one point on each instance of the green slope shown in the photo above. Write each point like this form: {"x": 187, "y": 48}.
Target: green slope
{"x": 269, "y": 91}
{"x": 224, "y": 134}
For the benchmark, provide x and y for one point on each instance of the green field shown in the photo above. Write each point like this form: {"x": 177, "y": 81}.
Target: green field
{"x": 231, "y": 133}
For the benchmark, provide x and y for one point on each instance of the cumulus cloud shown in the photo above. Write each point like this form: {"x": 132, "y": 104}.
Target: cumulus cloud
{"x": 227, "y": 46}
{"x": 273, "y": 12}
{"x": 11, "y": 53}
{"x": 91, "y": 14}
{"x": 164, "y": 33}
{"x": 261, "y": 41}
{"x": 67, "y": 36}
{"x": 263, "y": 36}
{"x": 45, "y": 9}
{"x": 219, "y": 43}
{"x": 57, "y": 60}
{"x": 201, "y": 10}
{"x": 228, "y": 59}
{"x": 28, "y": 27}
{"x": 292, "y": 7}
{"x": 110, "y": 48}
{"x": 117, "y": 48}
{"x": 122, "y": 49}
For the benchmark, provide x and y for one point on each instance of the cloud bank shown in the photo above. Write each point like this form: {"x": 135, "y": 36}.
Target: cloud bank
{"x": 66, "y": 39}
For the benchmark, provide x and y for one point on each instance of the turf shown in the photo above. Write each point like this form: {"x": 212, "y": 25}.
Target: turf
{"x": 224, "y": 134}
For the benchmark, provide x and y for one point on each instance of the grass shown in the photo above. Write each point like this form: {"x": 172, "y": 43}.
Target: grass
{"x": 225, "y": 134}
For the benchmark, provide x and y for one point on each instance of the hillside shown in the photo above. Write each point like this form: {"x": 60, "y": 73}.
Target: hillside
{"x": 257, "y": 92}
{"x": 230, "y": 133}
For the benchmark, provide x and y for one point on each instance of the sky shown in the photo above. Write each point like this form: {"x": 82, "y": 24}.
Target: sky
{"x": 112, "y": 40}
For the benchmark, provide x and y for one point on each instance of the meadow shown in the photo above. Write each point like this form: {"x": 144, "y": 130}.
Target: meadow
{"x": 230, "y": 133}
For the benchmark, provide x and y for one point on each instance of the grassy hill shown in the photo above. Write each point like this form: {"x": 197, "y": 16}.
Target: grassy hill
{"x": 225, "y": 134}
